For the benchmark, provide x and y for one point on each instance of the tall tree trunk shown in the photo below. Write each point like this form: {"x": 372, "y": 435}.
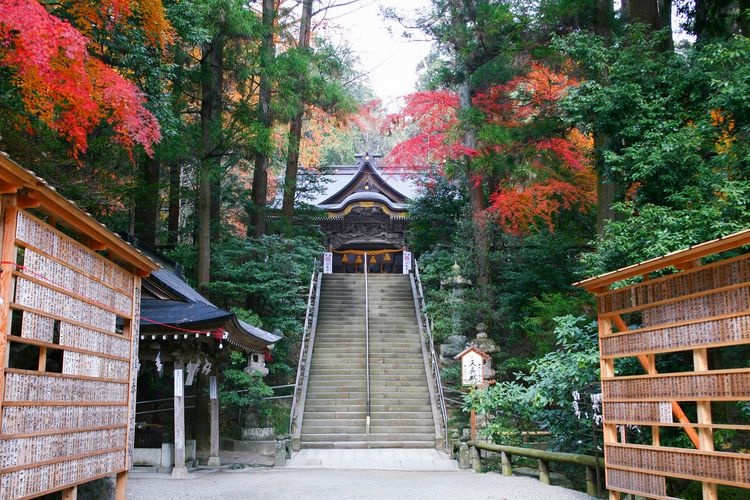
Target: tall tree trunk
{"x": 460, "y": 12}
{"x": 644, "y": 11}
{"x": 212, "y": 81}
{"x": 295, "y": 127}
{"x": 260, "y": 175}
{"x": 173, "y": 218}
{"x": 147, "y": 202}
{"x": 606, "y": 188}
{"x": 665, "y": 22}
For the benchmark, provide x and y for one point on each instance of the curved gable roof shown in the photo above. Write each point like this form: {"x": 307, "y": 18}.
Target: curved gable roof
{"x": 367, "y": 176}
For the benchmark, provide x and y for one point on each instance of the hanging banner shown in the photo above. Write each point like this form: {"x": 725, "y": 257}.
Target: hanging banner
{"x": 327, "y": 263}
{"x": 407, "y": 262}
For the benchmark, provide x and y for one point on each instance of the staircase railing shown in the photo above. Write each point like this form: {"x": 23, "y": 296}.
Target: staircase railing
{"x": 305, "y": 352}
{"x": 367, "y": 348}
{"x": 424, "y": 323}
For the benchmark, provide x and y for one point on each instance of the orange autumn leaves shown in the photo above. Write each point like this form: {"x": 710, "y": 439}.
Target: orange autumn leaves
{"x": 64, "y": 86}
{"x": 531, "y": 164}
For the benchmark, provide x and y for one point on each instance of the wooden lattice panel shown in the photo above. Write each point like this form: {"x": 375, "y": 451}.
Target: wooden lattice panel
{"x": 639, "y": 483}
{"x": 707, "y": 333}
{"x": 704, "y": 279}
{"x": 691, "y": 311}
{"x": 726, "y": 386}
{"x": 67, "y": 422}
{"x": 727, "y": 468}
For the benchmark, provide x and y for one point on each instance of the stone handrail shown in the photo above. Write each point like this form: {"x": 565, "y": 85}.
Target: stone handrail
{"x": 305, "y": 354}
{"x": 424, "y": 325}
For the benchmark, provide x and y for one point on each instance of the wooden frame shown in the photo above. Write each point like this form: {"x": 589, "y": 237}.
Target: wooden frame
{"x": 68, "y": 342}
{"x": 696, "y": 308}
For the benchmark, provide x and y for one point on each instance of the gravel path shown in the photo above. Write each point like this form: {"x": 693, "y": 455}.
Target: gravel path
{"x": 303, "y": 484}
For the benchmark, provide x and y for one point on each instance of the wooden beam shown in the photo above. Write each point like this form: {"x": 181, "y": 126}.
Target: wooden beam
{"x": 121, "y": 486}
{"x": 8, "y": 218}
{"x": 96, "y": 245}
{"x": 28, "y": 201}
{"x": 648, "y": 363}
{"x": 678, "y": 258}
{"x": 7, "y": 188}
{"x": 705, "y": 434}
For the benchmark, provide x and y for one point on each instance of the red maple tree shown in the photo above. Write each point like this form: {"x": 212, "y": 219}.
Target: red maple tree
{"x": 532, "y": 170}
{"x": 64, "y": 86}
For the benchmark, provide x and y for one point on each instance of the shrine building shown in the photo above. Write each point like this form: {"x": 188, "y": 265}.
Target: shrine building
{"x": 366, "y": 216}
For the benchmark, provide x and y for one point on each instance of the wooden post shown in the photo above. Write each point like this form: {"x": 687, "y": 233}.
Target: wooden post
{"x": 544, "y": 471}
{"x": 214, "y": 460}
{"x": 473, "y": 420}
{"x": 69, "y": 493}
{"x": 121, "y": 486}
{"x": 179, "y": 419}
{"x": 8, "y": 217}
{"x": 607, "y": 367}
{"x": 705, "y": 434}
{"x": 507, "y": 461}
{"x": 476, "y": 459}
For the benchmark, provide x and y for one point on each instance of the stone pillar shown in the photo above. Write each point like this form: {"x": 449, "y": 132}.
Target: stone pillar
{"x": 179, "y": 419}
{"x": 213, "y": 389}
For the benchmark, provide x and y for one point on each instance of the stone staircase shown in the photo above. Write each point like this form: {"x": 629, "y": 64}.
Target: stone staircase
{"x": 335, "y": 405}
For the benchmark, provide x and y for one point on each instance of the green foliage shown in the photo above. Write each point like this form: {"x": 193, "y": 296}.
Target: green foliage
{"x": 542, "y": 398}
{"x": 241, "y": 391}
{"x": 434, "y": 214}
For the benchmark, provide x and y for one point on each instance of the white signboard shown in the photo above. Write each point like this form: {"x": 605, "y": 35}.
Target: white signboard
{"x": 178, "y": 391}
{"x": 407, "y": 262}
{"x": 213, "y": 392}
{"x": 471, "y": 369}
{"x": 327, "y": 263}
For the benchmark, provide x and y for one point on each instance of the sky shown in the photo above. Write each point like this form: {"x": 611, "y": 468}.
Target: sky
{"x": 389, "y": 60}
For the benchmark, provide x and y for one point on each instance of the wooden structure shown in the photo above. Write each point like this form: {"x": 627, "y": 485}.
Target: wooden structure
{"x": 697, "y": 310}
{"x": 543, "y": 458}
{"x": 69, "y": 305}
{"x": 182, "y": 328}
{"x": 365, "y": 212}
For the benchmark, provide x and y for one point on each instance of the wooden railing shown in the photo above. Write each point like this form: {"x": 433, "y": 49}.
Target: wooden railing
{"x": 593, "y": 465}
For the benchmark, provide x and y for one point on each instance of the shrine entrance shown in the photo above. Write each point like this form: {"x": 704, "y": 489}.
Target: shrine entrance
{"x": 366, "y": 219}
{"x": 377, "y": 261}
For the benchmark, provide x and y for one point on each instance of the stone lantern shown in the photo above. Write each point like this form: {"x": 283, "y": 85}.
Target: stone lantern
{"x": 487, "y": 346}
{"x": 456, "y": 282}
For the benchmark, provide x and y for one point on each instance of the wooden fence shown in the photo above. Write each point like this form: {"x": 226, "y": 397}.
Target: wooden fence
{"x": 593, "y": 465}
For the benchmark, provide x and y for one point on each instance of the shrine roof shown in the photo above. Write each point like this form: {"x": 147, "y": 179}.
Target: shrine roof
{"x": 340, "y": 179}
{"x": 472, "y": 348}
{"x": 169, "y": 301}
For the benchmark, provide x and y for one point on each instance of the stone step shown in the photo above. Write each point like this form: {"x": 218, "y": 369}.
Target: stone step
{"x": 413, "y": 415}
{"x": 306, "y": 437}
{"x": 365, "y": 444}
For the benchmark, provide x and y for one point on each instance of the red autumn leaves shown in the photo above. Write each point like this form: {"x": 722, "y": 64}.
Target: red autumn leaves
{"x": 531, "y": 164}
{"x": 64, "y": 86}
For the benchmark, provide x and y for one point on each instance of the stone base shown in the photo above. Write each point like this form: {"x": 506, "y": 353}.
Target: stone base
{"x": 214, "y": 462}
{"x": 180, "y": 472}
